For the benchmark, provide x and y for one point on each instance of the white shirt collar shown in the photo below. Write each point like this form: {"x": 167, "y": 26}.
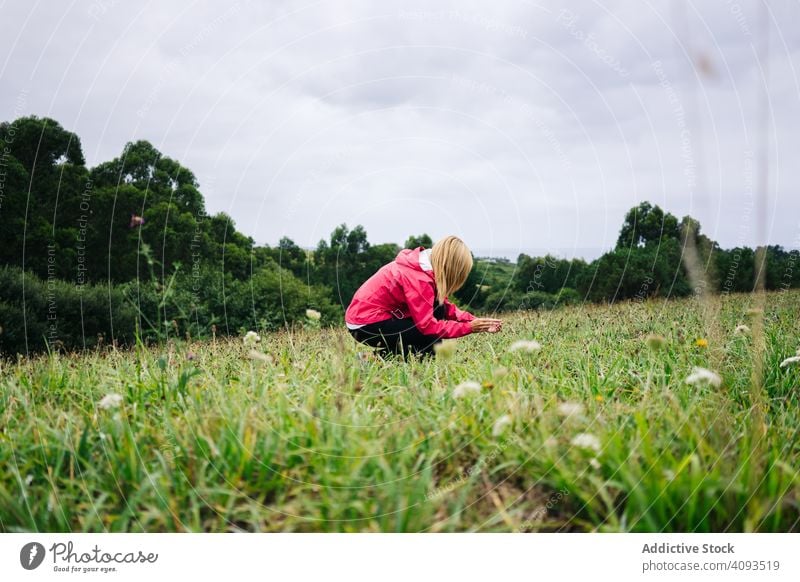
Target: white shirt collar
{"x": 425, "y": 260}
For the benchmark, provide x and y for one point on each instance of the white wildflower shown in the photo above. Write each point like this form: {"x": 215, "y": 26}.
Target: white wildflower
{"x": 110, "y": 401}
{"x": 251, "y": 338}
{"x": 28, "y": 479}
{"x": 595, "y": 463}
{"x": 585, "y": 440}
{"x": 466, "y": 388}
{"x": 528, "y": 346}
{"x": 741, "y": 330}
{"x": 570, "y": 409}
{"x": 500, "y": 425}
{"x": 702, "y": 376}
{"x": 788, "y": 361}
{"x": 313, "y": 314}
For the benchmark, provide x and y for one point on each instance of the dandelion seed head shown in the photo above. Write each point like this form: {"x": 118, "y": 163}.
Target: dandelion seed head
{"x": 585, "y": 440}
{"x": 702, "y": 376}
{"x": 526, "y": 346}
{"x": 500, "y": 425}
{"x": 313, "y": 314}
{"x": 569, "y": 409}
{"x": 110, "y": 401}
{"x": 251, "y": 338}
{"x": 466, "y": 389}
{"x": 789, "y": 361}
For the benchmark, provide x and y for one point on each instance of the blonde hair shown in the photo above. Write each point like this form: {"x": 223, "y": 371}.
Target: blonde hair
{"x": 452, "y": 263}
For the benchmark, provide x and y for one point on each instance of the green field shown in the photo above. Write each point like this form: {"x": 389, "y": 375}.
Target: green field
{"x": 603, "y": 433}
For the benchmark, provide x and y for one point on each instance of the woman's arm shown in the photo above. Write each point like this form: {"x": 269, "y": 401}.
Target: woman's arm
{"x": 455, "y": 314}
{"x": 419, "y": 298}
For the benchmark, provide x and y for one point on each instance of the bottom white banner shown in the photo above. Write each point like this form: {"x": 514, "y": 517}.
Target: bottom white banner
{"x": 355, "y": 557}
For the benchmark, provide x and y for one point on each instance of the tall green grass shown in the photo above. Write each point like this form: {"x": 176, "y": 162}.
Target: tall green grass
{"x": 315, "y": 438}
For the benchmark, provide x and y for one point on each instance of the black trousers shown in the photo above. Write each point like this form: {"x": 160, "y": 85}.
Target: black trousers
{"x": 398, "y": 336}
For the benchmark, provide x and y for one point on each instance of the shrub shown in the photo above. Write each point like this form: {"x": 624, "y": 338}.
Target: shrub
{"x": 37, "y": 313}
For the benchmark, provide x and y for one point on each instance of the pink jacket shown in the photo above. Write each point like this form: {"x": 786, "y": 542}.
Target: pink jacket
{"x": 406, "y": 287}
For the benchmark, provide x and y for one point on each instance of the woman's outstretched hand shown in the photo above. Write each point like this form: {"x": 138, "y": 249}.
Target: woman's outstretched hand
{"x": 486, "y": 324}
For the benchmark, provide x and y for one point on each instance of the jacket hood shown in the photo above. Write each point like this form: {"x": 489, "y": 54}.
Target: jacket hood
{"x": 417, "y": 259}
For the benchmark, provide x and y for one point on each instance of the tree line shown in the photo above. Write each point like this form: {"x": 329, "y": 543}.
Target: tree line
{"x": 647, "y": 261}
{"x": 126, "y": 251}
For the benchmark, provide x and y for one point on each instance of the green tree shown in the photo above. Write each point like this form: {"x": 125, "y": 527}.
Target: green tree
{"x": 547, "y": 274}
{"x": 647, "y": 223}
{"x": 292, "y": 257}
{"x": 274, "y": 298}
{"x": 41, "y": 144}
{"x": 655, "y": 269}
{"x": 343, "y": 264}
{"x": 422, "y": 240}
{"x": 44, "y": 175}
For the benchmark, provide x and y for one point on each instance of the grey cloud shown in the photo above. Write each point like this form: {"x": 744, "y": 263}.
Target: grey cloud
{"x": 516, "y": 124}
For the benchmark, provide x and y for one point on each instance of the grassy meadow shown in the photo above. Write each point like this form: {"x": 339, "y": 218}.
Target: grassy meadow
{"x": 598, "y": 430}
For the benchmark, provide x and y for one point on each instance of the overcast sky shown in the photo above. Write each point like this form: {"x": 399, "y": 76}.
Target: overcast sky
{"x": 520, "y": 126}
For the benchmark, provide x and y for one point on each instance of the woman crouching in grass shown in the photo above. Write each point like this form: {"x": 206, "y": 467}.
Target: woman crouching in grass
{"x": 403, "y": 307}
